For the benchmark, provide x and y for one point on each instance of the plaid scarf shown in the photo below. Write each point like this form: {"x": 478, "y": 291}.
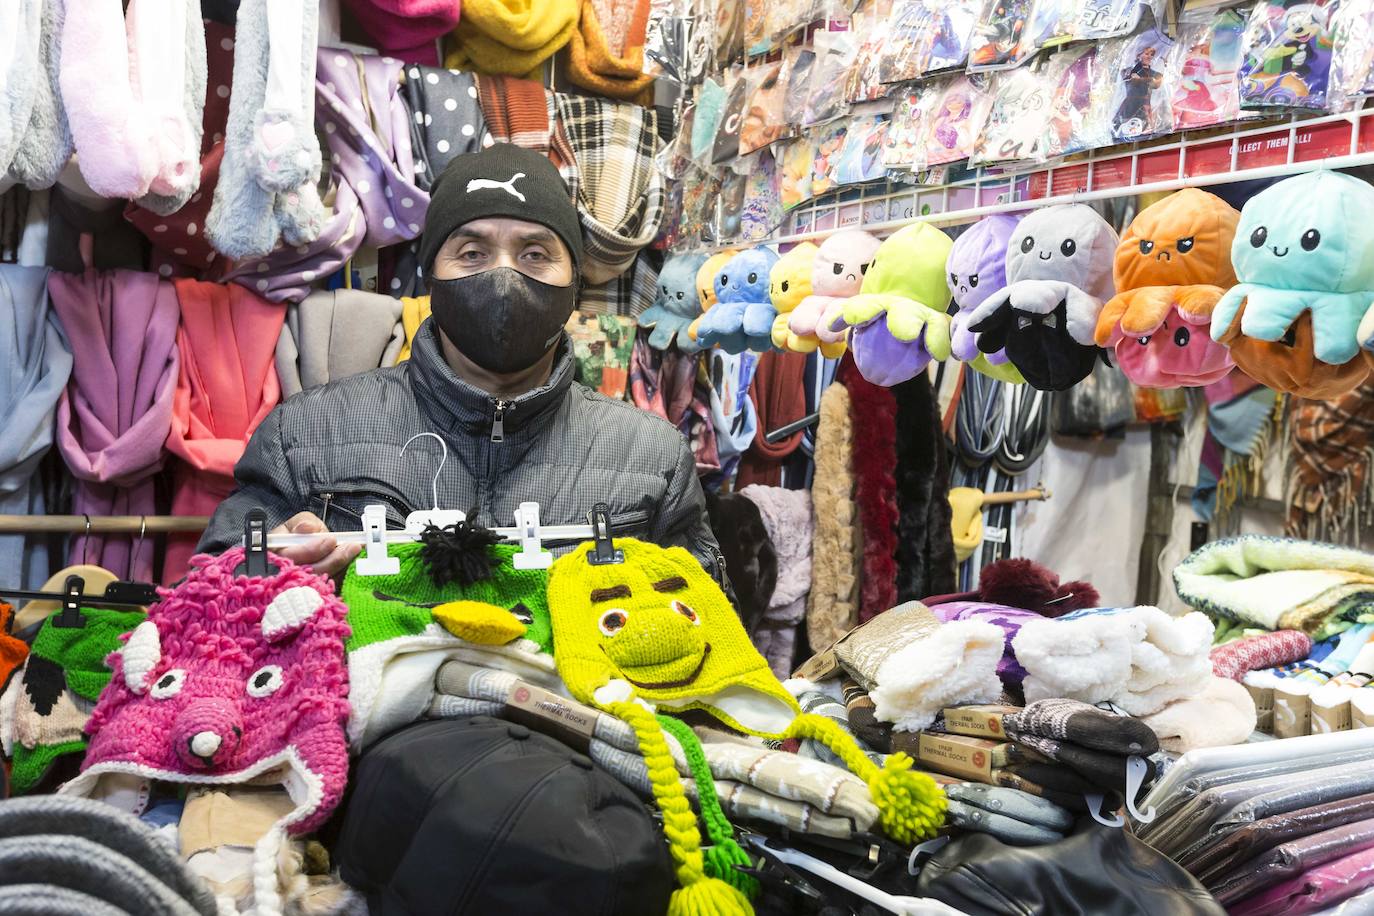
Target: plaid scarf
{"x": 522, "y": 112}
{"x": 1330, "y": 488}
{"x": 628, "y": 294}
{"x": 620, "y": 197}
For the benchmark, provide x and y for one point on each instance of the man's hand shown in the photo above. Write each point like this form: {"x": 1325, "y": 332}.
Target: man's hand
{"x": 325, "y": 555}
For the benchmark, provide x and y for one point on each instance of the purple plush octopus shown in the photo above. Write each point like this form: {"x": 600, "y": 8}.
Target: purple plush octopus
{"x": 975, "y": 270}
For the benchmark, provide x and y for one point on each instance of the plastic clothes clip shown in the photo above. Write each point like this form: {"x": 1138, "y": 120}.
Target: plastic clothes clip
{"x": 374, "y": 560}
{"x": 532, "y": 554}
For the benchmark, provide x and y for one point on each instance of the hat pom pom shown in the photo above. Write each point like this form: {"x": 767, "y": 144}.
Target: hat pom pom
{"x": 458, "y": 553}
{"x": 911, "y": 806}
{"x": 709, "y": 897}
{"x": 720, "y": 860}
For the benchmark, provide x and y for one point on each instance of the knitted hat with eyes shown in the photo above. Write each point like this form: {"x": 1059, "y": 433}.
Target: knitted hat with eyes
{"x": 658, "y": 629}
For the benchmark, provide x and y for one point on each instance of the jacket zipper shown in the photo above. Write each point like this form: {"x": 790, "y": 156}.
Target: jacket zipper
{"x": 498, "y": 420}
{"x": 327, "y": 498}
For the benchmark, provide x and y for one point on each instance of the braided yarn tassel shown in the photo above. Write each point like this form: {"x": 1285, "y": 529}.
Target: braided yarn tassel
{"x": 699, "y": 894}
{"x": 911, "y": 806}
{"x": 724, "y": 853}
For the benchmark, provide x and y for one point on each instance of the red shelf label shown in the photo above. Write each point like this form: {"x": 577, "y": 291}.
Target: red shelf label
{"x": 1069, "y": 180}
{"x": 1161, "y": 165}
{"x": 1112, "y": 173}
{"x": 1262, "y": 149}
{"x": 1208, "y": 159}
{"x": 1322, "y": 141}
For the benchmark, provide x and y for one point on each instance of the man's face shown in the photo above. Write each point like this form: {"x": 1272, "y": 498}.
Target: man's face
{"x": 483, "y": 244}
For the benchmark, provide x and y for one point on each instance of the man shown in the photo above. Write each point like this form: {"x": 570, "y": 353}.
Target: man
{"x": 491, "y": 373}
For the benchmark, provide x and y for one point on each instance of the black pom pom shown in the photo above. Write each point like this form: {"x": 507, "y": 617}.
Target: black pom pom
{"x": 458, "y": 553}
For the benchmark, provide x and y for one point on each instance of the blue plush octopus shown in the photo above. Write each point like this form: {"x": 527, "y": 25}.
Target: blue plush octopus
{"x": 678, "y": 304}
{"x": 1304, "y": 247}
{"x": 742, "y": 318}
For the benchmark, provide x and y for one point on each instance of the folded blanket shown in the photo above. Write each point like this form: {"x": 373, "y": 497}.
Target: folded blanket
{"x": 752, "y": 781}
{"x": 1139, "y": 658}
{"x": 1276, "y": 583}
{"x": 1223, "y": 713}
{"x": 1265, "y": 650}
{"x": 913, "y": 666}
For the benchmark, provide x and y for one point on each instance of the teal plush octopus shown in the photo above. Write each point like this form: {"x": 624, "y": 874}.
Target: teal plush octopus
{"x": 678, "y": 304}
{"x": 1305, "y": 244}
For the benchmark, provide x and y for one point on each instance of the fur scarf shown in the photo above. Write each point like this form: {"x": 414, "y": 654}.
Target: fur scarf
{"x": 875, "y": 458}
{"x": 832, "y": 606}
{"x": 925, "y": 542}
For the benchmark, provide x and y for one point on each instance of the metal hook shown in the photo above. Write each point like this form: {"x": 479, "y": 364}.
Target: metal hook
{"x": 86, "y": 542}
{"x": 138, "y": 545}
{"x": 434, "y": 484}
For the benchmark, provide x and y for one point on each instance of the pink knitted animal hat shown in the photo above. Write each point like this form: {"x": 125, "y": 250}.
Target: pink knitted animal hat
{"x": 230, "y": 679}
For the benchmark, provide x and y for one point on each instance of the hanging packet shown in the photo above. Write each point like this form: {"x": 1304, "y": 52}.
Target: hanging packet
{"x": 726, "y": 148}
{"x": 1101, "y": 19}
{"x": 1206, "y": 62}
{"x": 871, "y": 24}
{"x": 958, "y": 118}
{"x": 825, "y": 167}
{"x": 835, "y": 52}
{"x": 1015, "y": 127}
{"x": 1352, "y": 64}
{"x": 907, "y": 49}
{"x": 996, "y": 42}
{"x": 706, "y": 119}
{"x": 1140, "y": 98}
{"x": 730, "y": 207}
{"x": 1287, "y": 54}
{"x": 763, "y": 120}
{"x": 798, "y": 158}
{"x": 763, "y": 211}
{"x": 861, "y": 157}
{"x": 729, "y": 32}
{"x": 1051, "y": 23}
{"x": 903, "y": 146}
{"x": 799, "y": 63}
{"x": 756, "y": 27}
{"x": 952, "y": 35}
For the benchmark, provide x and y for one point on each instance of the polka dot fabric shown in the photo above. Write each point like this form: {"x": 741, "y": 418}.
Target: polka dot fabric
{"x": 447, "y": 118}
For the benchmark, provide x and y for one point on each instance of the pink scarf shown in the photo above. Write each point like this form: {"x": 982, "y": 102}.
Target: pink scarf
{"x": 116, "y": 412}
{"x": 226, "y": 387}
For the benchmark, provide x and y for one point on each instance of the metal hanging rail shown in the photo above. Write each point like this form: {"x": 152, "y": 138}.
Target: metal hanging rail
{"x": 1264, "y": 150}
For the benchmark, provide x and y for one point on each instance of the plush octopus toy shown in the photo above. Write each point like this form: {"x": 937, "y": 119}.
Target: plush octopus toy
{"x": 1304, "y": 255}
{"x": 788, "y": 284}
{"x": 706, "y": 288}
{"x": 838, "y": 274}
{"x": 977, "y": 268}
{"x": 898, "y": 320}
{"x": 1059, "y": 274}
{"x": 677, "y": 304}
{"x": 742, "y": 318}
{"x": 1171, "y": 269}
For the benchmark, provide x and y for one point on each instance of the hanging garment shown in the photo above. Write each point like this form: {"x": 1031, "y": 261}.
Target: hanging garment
{"x": 227, "y": 385}
{"x": 35, "y": 363}
{"x": 335, "y": 334}
{"x": 20, "y": 72}
{"x": 408, "y": 29}
{"x": 414, "y": 311}
{"x": 1329, "y": 479}
{"x": 732, "y": 410}
{"x": 751, "y": 563}
{"x": 116, "y": 413}
{"x": 875, "y": 492}
{"x": 779, "y": 400}
{"x": 606, "y": 53}
{"x": 665, "y": 382}
{"x": 524, "y": 113}
{"x": 620, "y": 192}
{"x": 925, "y": 537}
{"x": 85, "y": 231}
{"x": 630, "y": 294}
{"x": 448, "y": 119}
{"x": 837, "y": 549}
{"x": 45, "y": 143}
{"x": 511, "y": 37}
{"x": 786, "y": 517}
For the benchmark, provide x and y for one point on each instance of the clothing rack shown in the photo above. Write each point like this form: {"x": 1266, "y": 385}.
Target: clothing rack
{"x": 102, "y": 524}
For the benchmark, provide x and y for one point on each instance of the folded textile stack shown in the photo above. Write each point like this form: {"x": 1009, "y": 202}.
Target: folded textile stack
{"x": 752, "y": 782}
{"x": 1008, "y": 619}
{"x": 1279, "y": 583}
{"x": 1013, "y": 816}
{"x": 1139, "y": 658}
{"x": 1094, "y": 744}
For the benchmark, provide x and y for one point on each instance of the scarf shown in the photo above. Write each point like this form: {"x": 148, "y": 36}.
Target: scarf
{"x": 925, "y": 537}
{"x": 510, "y": 37}
{"x": 786, "y": 517}
{"x": 448, "y": 119}
{"x": 523, "y": 112}
{"x": 664, "y": 382}
{"x": 408, "y": 29}
{"x": 35, "y": 363}
{"x": 116, "y": 413}
{"x": 332, "y": 335}
{"x": 875, "y": 458}
{"x": 631, "y": 293}
{"x": 732, "y": 411}
{"x": 43, "y": 145}
{"x": 414, "y": 311}
{"x": 227, "y": 385}
{"x": 778, "y": 397}
{"x": 832, "y": 606}
{"x": 610, "y": 60}
{"x": 1330, "y": 488}
{"x": 620, "y": 191}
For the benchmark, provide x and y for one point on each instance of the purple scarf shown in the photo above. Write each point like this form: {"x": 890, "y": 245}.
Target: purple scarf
{"x": 1010, "y": 619}
{"x": 115, "y": 414}
{"x": 371, "y": 182}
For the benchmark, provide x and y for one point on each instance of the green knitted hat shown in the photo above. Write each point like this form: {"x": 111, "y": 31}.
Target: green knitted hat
{"x": 51, "y": 698}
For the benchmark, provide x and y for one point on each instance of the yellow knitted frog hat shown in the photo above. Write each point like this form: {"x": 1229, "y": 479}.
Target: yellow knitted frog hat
{"x": 657, "y": 628}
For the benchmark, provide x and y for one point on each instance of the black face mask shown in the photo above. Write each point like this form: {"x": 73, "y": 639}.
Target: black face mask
{"x": 501, "y": 319}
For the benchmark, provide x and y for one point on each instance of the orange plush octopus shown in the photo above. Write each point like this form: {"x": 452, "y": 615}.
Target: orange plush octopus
{"x": 1171, "y": 268}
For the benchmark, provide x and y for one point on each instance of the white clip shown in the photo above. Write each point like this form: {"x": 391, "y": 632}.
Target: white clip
{"x": 374, "y": 561}
{"x": 532, "y": 554}
{"x": 1094, "y": 800}
{"x": 1136, "y": 770}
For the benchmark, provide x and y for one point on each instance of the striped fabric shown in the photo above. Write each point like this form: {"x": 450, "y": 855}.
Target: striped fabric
{"x": 628, "y": 294}
{"x": 522, "y": 112}
{"x": 620, "y": 191}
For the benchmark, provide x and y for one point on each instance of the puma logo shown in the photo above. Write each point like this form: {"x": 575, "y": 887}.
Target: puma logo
{"x": 487, "y": 184}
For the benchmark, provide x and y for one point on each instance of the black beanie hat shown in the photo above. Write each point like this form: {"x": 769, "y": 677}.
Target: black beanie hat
{"x": 500, "y": 181}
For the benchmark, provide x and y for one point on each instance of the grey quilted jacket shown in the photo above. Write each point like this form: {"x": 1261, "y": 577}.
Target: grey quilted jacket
{"x": 334, "y": 449}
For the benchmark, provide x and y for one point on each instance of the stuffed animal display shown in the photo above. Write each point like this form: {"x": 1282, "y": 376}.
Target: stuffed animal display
{"x": 706, "y": 288}
{"x": 977, "y": 269}
{"x": 658, "y": 630}
{"x": 742, "y": 318}
{"x": 1059, "y": 273}
{"x": 677, "y": 304}
{"x": 898, "y": 319}
{"x": 838, "y": 274}
{"x": 1304, "y": 256}
{"x": 788, "y": 284}
{"x": 1171, "y": 269}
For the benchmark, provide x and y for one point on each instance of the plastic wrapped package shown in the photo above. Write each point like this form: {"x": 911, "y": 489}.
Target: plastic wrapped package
{"x": 1100, "y": 19}
{"x": 835, "y": 54}
{"x": 1140, "y": 99}
{"x": 825, "y": 169}
{"x": 762, "y": 199}
{"x": 1287, "y": 47}
{"x": 1078, "y": 115}
{"x": 763, "y": 118}
{"x": 728, "y": 32}
{"x": 1014, "y": 131}
{"x": 756, "y": 39}
{"x": 797, "y": 64}
{"x": 725, "y": 149}
{"x": 1292, "y": 858}
{"x": 903, "y": 146}
{"x": 1313, "y": 889}
{"x": 710, "y": 104}
{"x": 861, "y": 157}
{"x": 730, "y": 207}
{"x": 952, "y": 129}
{"x": 1352, "y": 64}
{"x": 798, "y": 159}
{"x": 1051, "y": 23}
{"x": 910, "y": 32}
{"x": 996, "y": 41}
{"x": 1205, "y": 63}
{"x": 1254, "y": 840}
{"x": 953, "y": 33}
{"x": 870, "y": 22}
